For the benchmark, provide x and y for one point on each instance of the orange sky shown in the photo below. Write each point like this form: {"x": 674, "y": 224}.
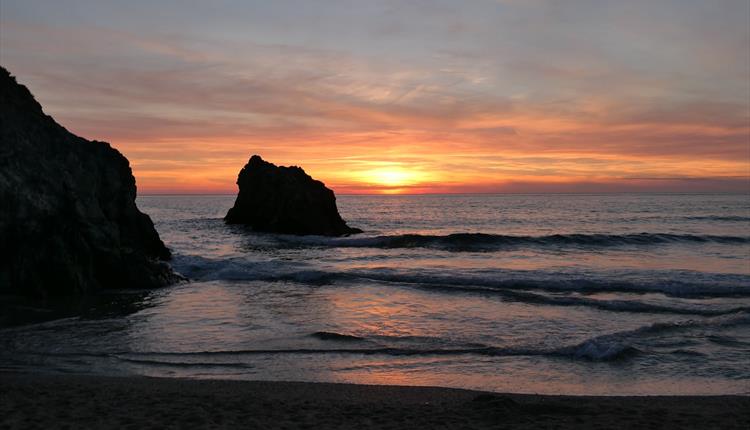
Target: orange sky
{"x": 384, "y": 97}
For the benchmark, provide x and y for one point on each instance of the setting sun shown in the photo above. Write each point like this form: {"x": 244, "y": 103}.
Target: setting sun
{"x": 392, "y": 177}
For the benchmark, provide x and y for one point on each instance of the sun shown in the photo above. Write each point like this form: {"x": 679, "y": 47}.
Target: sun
{"x": 390, "y": 177}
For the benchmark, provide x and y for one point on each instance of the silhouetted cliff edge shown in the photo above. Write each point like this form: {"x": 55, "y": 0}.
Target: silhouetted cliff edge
{"x": 68, "y": 219}
{"x": 286, "y": 200}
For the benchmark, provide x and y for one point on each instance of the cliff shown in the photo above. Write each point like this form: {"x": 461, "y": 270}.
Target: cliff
{"x": 68, "y": 219}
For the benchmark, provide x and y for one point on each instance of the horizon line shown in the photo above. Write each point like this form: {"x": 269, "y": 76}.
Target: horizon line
{"x": 476, "y": 193}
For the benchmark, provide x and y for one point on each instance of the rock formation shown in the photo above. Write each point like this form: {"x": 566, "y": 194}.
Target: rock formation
{"x": 68, "y": 219}
{"x": 285, "y": 200}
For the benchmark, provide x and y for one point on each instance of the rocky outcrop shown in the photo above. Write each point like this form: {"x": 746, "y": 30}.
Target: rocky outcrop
{"x": 68, "y": 219}
{"x": 286, "y": 200}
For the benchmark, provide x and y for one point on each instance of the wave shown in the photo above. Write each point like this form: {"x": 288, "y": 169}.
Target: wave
{"x": 619, "y": 344}
{"x": 588, "y": 351}
{"x": 619, "y": 305}
{"x": 153, "y": 362}
{"x": 719, "y": 218}
{"x": 327, "y": 335}
{"x": 673, "y": 283}
{"x": 727, "y": 341}
{"x": 466, "y": 242}
{"x": 608, "y": 347}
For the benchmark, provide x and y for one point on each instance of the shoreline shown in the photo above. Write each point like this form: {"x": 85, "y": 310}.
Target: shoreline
{"x": 29, "y": 400}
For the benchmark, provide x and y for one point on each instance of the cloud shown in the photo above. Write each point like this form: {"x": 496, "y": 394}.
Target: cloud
{"x": 483, "y": 96}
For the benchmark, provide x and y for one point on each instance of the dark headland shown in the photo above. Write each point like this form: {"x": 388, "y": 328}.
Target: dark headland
{"x": 69, "y": 224}
{"x": 278, "y": 199}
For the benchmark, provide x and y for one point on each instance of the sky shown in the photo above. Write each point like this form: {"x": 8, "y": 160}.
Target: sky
{"x": 400, "y": 96}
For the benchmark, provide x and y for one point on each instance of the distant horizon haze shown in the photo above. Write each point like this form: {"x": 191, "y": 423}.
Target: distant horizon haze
{"x": 625, "y": 186}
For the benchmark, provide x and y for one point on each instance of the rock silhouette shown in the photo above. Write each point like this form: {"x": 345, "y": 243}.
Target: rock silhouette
{"x": 68, "y": 219}
{"x": 285, "y": 200}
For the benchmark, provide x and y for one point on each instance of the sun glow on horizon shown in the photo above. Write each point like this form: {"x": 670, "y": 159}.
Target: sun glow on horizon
{"x": 393, "y": 179}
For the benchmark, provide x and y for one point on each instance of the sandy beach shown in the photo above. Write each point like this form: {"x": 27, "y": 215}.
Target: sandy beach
{"x": 29, "y": 401}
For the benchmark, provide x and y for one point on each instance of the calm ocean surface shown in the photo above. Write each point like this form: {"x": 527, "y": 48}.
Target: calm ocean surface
{"x": 571, "y": 294}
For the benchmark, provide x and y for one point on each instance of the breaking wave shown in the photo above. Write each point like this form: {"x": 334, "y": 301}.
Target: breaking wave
{"x": 674, "y": 283}
{"x": 607, "y": 347}
{"x": 733, "y": 218}
{"x": 467, "y": 242}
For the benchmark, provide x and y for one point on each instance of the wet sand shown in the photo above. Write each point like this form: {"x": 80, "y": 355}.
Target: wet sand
{"x": 30, "y": 401}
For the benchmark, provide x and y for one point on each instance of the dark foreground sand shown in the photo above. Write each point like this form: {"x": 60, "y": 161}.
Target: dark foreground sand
{"x": 30, "y": 401}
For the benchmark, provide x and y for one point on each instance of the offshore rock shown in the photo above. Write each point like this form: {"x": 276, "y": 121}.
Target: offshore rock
{"x": 286, "y": 200}
{"x": 69, "y": 224}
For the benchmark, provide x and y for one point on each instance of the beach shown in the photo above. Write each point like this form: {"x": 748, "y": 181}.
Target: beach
{"x": 29, "y": 401}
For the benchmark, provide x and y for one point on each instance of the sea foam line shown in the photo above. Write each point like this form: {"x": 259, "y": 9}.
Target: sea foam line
{"x": 674, "y": 283}
{"x": 458, "y": 242}
{"x": 606, "y": 347}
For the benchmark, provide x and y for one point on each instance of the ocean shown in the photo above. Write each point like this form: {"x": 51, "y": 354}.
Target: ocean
{"x": 616, "y": 294}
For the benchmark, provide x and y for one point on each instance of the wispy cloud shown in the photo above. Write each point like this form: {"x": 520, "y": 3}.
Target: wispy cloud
{"x": 492, "y": 96}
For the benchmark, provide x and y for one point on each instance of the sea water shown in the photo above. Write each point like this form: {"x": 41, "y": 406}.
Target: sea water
{"x": 564, "y": 294}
